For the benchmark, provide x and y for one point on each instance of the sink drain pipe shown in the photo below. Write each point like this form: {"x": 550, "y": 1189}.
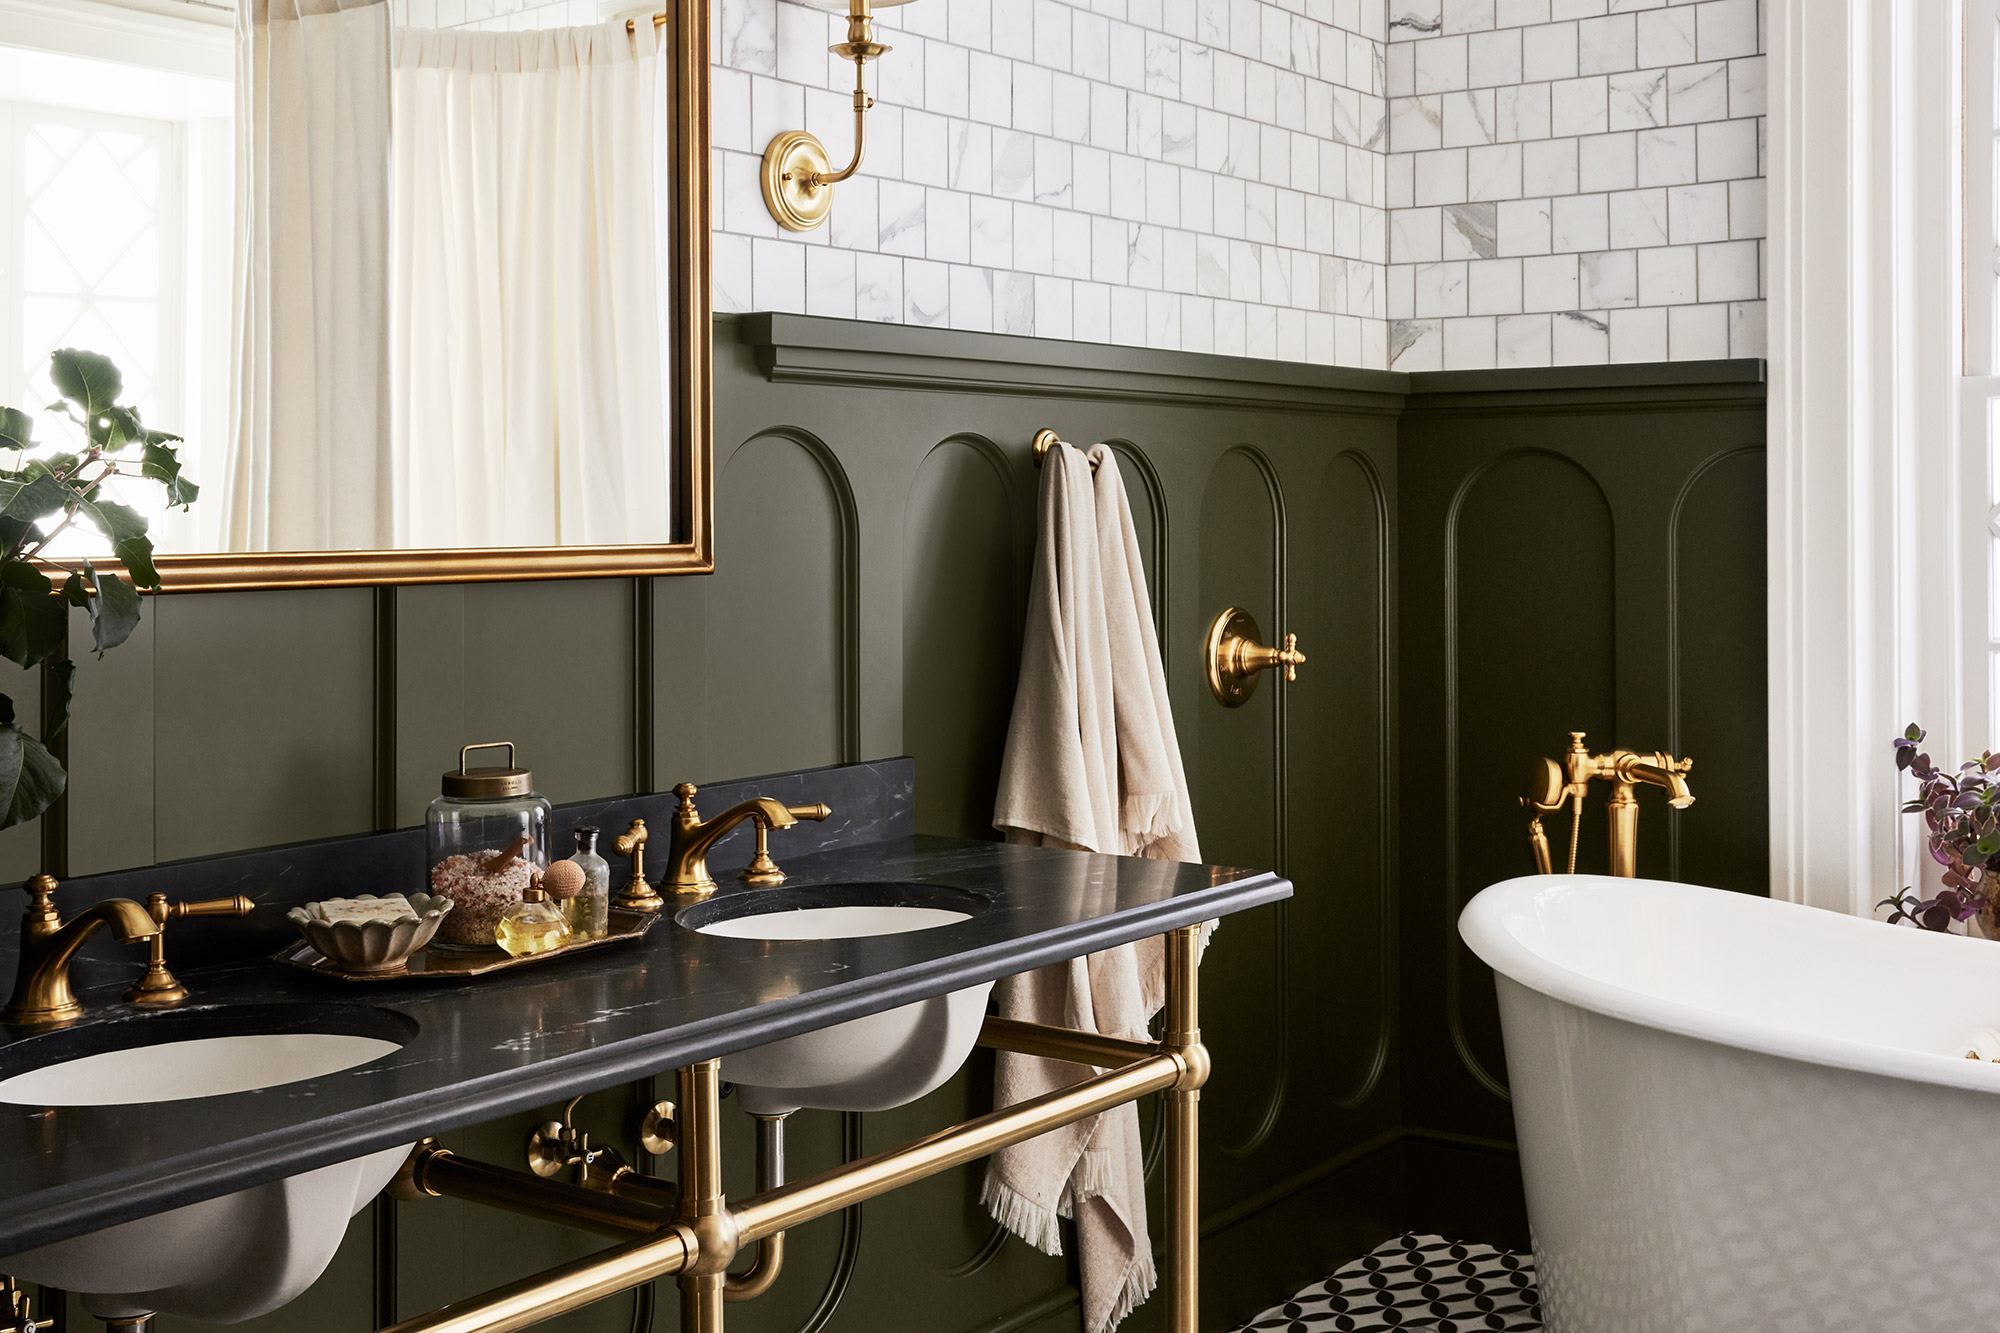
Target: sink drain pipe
{"x": 769, "y": 1260}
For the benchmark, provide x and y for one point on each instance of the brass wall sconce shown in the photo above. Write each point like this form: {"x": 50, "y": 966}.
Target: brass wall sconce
{"x": 798, "y": 182}
{"x": 1235, "y": 659}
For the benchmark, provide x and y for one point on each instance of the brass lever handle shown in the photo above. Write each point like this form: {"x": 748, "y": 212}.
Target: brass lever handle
{"x": 237, "y": 905}
{"x": 762, "y": 870}
{"x": 1234, "y": 658}
{"x": 815, "y": 812}
{"x": 160, "y": 988}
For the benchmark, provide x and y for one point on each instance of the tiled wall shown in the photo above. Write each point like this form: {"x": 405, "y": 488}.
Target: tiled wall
{"x": 1545, "y": 182}
{"x": 1574, "y": 181}
{"x": 1198, "y": 174}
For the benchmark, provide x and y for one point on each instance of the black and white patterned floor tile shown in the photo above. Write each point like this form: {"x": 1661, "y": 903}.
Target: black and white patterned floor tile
{"x": 1415, "y": 1282}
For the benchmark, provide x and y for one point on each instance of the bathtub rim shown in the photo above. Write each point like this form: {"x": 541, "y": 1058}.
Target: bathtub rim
{"x": 1482, "y": 925}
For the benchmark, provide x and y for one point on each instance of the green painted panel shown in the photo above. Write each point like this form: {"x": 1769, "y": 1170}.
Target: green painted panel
{"x": 778, "y": 671}
{"x": 111, "y": 753}
{"x": 262, "y": 724}
{"x": 1237, "y": 792}
{"x": 1531, "y": 621}
{"x": 21, "y": 848}
{"x": 1718, "y": 618}
{"x": 962, "y": 605}
{"x": 430, "y": 694}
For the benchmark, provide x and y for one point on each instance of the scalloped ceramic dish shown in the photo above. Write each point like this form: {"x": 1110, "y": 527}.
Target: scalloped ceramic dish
{"x": 371, "y": 946}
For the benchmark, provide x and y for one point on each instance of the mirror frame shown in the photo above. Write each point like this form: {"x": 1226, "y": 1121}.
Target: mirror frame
{"x": 684, "y": 29}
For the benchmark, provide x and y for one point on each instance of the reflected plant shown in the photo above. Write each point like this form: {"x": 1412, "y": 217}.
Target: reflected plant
{"x": 43, "y": 495}
{"x": 1962, "y": 826}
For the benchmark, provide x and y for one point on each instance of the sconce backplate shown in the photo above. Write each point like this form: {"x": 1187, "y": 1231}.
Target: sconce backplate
{"x": 1221, "y": 655}
{"x": 792, "y": 163}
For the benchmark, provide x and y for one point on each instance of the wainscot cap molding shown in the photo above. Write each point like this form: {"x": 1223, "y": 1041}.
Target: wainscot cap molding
{"x": 1638, "y": 387}
{"x": 807, "y": 349}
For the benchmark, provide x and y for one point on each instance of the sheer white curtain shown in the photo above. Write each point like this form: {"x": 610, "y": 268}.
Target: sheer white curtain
{"x": 524, "y": 296}
{"x": 309, "y": 434}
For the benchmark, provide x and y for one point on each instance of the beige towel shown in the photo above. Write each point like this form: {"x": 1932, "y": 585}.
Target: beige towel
{"x": 1092, "y": 763}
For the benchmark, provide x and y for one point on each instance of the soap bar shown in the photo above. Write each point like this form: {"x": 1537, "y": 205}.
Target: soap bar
{"x": 391, "y": 908}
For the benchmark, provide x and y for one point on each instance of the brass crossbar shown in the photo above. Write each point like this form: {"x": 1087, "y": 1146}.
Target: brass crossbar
{"x": 709, "y": 1233}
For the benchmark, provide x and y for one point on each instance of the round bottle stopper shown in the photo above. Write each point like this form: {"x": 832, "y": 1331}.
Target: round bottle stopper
{"x": 563, "y": 880}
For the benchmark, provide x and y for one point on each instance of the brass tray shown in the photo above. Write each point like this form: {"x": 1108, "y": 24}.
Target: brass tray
{"x": 448, "y": 964}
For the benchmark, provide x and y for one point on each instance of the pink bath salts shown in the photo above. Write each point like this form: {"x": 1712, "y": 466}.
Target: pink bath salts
{"x": 480, "y": 896}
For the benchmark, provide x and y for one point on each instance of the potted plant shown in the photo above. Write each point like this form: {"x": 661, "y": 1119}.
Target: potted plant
{"x": 42, "y": 495}
{"x": 1961, "y": 812}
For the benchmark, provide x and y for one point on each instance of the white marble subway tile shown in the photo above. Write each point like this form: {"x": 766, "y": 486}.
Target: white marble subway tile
{"x": 1319, "y": 225}
{"x": 1579, "y": 106}
{"x": 1416, "y": 344}
{"x": 1163, "y": 194}
{"x": 1725, "y": 28}
{"x": 1260, "y": 213}
{"x": 1493, "y": 172}
{"x": 1014, "y": 28}
{"x": 1469, "y": 344}
{"x": 1578, "y": 9}
{"x": 1054, "y": 185}
{"x": 1727, "y": 271}
{"x": 856, "y": 221}
{"x": 1726, "y": 149}
{"x": 1698, "y": 332}
{"x": 1522, "y": 340}
{"x": 1521, "y": 113}
{"x": 990, "y": 230}
{"x": 1471, "y": 231}
{"x": 1492, "y": 58}
{"x": 1231, "y": 75}
{"x": 1070, "y": 109}
{"x": 1579, "y": 222}
{"x": 1090, "y": 312}
{"x": 749, "y": 31}
{"x": 1035, "y": 98}
{"x": 1260, "y": 93}
{"x": 969, "y": 23}
{"x": 1580, "y": 337}
{"x": 1246, "y": 271}
{"x": 830, "y": 282}
{"x": 729, "y": 103}
{"x": 1746, "y": 210}
{"x": 1747, "y": 328}
{"x": 1231, "y": 217}
{"x": 1179, "y": 268}
{"x": 1291, "y": 219}
{"x": 1319, "y": 109}
{"x": 1014, "y": 304}
{"x": 729, "y": 274}
{"x": 1523, "y": 227}
{"x": 1415, "y": 235}
{"x": 1400, "y": 70}
{"x": 1606, "y": 45}
{"x": 1667, "y": 156}
{"x": 1440, "y": 176}
{"x": 1211, "y": 22}
{"x": 1107, "y": 117}
{"x": 1110, "y": 251}
{"x": 1697, "y": 213}
{"x": 1246, "y": 148}
{"x": 1275, "y": 274}
{"x": 1667, "y": 275}
{"x": 947, "y": 79}
{"x": 1697, "y": 92}
{"x": 1412, "y": 19}
{"x": 1211, "y": 266}
{"x": 1607, "y": 279}
{"x": 1128, "y": 57}
{"x": 1520, "y": 13}
{"x": 1090, "y": 46}
{"x": 1440, "y": 290}
{"x": 1321, "y": 347}
{"x": 1373, "y": 123}
{"x": 1401, "y": 289}
{"x": 1034, "y": 238}
{"x": 1260, "y": 331}
{"x": 1639, "y": 334}
{"x": 1090, "y": 180}
{"x": 1375, "y": 344}
{"x": 1468, "y": 15}
{"x": 1441, "y": 65}
{"x": 1013, "y": 164}
{"x": 1177, "y": 134}
{"x": 1274, "y": 156}
{"x": 901, "y": 82}
{"x": 947, "y": 226}
{"x": 1128, "y": 316}
{"x": 1548, "y": 283}
{"x": 1548, "y": 52}
{"x": 1163, "y": 321}
{"x": 968, "y": 157}
{"x": 1054, "y": 308}
{"x": 926, "y": 159}
{"x": 1198, "y": 202}
{"x": 1549, "y": 167}
{"x": 972, "y": 299}
{"x": 1469, "y": 118}
{"x": 742, "y": 197}
{"x": 1415, "y": 123}
{"x": 778, "y": 276}
{"x": 1746, "y": 86}
{"x": 1052, "y": 34}
{"x": 1493, "y": 287}
{"x": 1333, "y": 177}
{"x": 1197, "y": 76}
{"x": 1637, "y": 99}
{"x": 1608, "y": 161}
{"x": 1666, "y": 36}
{"x": 1351, "y": 227}
{"x": 774, "y": 108}
{"x": 902, "y": 218}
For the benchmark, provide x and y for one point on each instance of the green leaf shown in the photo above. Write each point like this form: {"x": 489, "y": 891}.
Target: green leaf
{"x": 30, "y": 778}
{"x": 114, "y": 428}
{"x": 33, "y": 626}
{"x": 20, "y": 574}
{"x": 126, "y": 527}
{"x": 34, "y": 500}
{"x": 181, "y": 491}
{"x": 76, "y": 592}
{"x": 17, "y": 428}
{"x": 163, "y": 464}
{"x": 114, "y": 612}
{"x": 161, "y": 437}
{"x": 136, "y": 554}
{"x": 60, "y": 685}
{"x": 88, "y": 379}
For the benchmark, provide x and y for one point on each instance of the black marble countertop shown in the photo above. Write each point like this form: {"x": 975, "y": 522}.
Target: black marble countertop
{"x": 481, "y": 1048}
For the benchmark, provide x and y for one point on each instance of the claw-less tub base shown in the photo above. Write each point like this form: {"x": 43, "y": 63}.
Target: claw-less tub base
{"x": 1738, "y": 1114}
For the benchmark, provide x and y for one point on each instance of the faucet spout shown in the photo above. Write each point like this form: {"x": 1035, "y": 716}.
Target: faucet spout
{"x": 1661, "y": 770}
{"x": 42, "y": 993}
{"x": 687, "y": 853}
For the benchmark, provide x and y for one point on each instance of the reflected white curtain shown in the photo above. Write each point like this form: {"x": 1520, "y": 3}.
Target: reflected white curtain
{"x": 527, "y": 374}
{"x": 309, "y": 431}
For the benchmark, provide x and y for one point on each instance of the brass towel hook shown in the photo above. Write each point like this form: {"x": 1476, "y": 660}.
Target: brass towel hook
{"x": 1045, "y": 440}
{"x": 1235, "y": 659}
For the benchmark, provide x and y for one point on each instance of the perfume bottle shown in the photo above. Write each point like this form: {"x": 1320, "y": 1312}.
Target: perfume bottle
{"x": 533, "y": 925}
{"x": 588, "y": 913}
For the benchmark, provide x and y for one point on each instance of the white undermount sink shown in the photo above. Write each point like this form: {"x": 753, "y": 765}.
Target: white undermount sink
{"x": 864, "y": 1064}
{"x": 225, "y": 1259}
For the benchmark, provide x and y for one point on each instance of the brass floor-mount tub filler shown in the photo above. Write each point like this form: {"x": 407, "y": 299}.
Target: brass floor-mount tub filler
{"x": 696, "y": 1233}
{"x": 1551, "y": 786}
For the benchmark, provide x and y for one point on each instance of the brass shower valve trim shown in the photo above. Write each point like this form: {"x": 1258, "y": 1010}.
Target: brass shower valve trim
{"x": 1551, "y": 786}
{"x": 1234, "y": 659}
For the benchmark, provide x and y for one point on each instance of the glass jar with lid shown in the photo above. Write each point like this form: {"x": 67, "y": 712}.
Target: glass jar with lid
{"x": 488, "y": 837}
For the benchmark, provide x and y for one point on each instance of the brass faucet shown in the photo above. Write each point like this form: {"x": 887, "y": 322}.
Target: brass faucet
{"x": 1552, "y": 785}
{"x": 159, "y": 988}
{"x": 687, "y": 853}
{"x": 41, "y": 981}
{"x": 17, "y": 1314}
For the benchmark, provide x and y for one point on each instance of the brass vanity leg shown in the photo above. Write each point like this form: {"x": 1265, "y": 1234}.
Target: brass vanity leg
{"x": 703, "y": 1209}
{"x": 1184, "y": 1134}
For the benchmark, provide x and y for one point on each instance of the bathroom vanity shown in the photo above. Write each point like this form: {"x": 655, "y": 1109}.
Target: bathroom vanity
{"x": 465, "y": 1051}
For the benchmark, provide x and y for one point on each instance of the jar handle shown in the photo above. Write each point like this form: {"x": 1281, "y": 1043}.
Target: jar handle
{"x": 485, "y": 745}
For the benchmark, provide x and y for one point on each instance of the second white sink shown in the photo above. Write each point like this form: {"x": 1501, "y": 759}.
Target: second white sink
{"x": 864, "y": 1064}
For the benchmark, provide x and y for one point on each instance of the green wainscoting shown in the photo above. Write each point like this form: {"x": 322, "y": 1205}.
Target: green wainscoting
{"x": 1552, "y": 549}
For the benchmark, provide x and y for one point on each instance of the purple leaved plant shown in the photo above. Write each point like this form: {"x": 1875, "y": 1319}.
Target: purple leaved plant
{"x": 1962, "y": 823}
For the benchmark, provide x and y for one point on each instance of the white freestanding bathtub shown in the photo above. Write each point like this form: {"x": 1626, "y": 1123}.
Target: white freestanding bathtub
{"x": 1745, "y": 1116}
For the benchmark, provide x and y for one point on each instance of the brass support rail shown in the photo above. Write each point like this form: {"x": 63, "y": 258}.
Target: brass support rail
{"x": 700, "y": 1246}
{"x": 1083, "y": 1048}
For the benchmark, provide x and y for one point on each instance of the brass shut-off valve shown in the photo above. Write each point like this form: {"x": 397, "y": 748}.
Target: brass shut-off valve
{"x": 16, "y": 1310}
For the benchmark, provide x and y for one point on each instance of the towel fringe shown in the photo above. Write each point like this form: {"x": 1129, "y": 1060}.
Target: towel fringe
{"x": 1095, "y": 1174}
{"x": 1033, "y": 1222}
{"x": 1140, "y": 1279}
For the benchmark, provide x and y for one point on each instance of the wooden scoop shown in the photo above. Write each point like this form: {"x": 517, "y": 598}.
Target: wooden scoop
{"x": 499, "y": 860}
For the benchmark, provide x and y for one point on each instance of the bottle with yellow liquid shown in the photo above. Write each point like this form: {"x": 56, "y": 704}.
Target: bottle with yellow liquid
{"x": 533, "y": 925}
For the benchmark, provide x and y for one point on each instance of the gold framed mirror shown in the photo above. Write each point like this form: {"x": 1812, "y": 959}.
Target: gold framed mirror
{"x": 685, "y": 323}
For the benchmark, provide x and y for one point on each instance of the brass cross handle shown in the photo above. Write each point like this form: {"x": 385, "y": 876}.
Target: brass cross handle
{"x": 1234, "y": 658}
